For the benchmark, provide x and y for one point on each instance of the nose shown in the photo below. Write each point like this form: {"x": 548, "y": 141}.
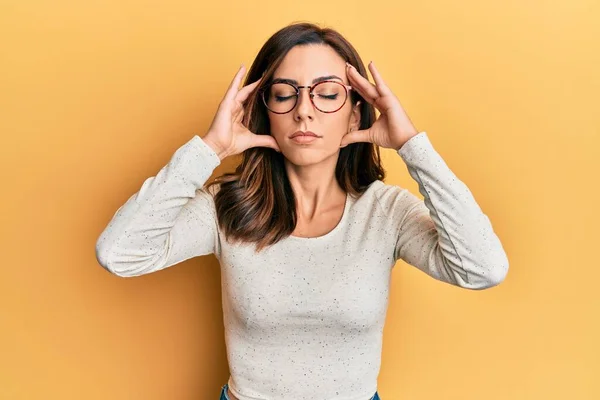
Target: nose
{"x": 304, "y": 107}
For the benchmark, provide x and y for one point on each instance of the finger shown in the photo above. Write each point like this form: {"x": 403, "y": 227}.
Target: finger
{"x": 246, "y": 90}
{"x": 380, "y": 84}
{"x": 356, "y": 137}
{"x": 355, "y": 79}
{"x": 364, "y": 87}
{"x": 364, "y": 95}
{"x": 361, "y": 92}
{"x": 235, "y": 84}
{"x": 239, "y": 115}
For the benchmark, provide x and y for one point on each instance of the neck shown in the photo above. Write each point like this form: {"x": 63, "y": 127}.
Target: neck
{"x": 315, "y": 187}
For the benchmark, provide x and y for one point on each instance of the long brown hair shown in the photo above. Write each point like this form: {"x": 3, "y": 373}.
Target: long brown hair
{"x": 256, "y": 203}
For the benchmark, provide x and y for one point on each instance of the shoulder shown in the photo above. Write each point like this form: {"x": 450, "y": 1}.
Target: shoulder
{"x": 393, "y": 199}
{"x": 213, "y": 189}
{"x": 384, "y": 192}
{"x": 204, "y": 199}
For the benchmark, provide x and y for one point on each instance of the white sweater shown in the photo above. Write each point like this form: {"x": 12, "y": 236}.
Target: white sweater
{"x": 304, "y": 318}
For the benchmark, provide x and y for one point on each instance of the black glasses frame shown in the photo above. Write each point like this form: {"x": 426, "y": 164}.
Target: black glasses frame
{"x": 347, "y": 88}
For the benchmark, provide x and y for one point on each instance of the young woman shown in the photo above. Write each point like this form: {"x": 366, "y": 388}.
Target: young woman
{"x": 306, "y": 231}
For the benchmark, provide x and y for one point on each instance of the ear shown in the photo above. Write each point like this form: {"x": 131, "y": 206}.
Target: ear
{"x": 355, "y": 117}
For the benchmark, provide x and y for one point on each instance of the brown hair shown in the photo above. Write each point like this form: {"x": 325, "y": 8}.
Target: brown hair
{"x": 256, "y": 202}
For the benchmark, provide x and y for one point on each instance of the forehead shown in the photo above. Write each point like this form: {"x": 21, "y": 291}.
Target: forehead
{"x": 306, "y": 62}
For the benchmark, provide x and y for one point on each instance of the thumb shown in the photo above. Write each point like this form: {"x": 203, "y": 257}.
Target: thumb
{"x": 265, "y": 141}
{"x": 355, "y": 137}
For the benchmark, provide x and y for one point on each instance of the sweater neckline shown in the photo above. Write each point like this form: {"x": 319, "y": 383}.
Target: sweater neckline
{"x": 331, "y": 232}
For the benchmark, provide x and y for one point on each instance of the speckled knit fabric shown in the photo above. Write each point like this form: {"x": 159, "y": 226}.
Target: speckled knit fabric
{"x": 304, "y": 318}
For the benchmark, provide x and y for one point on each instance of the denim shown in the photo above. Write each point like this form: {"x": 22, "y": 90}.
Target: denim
{"x": 225, "y": 397}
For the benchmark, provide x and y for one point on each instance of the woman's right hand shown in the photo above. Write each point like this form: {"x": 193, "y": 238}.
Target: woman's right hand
{"x": 227, "y": 135}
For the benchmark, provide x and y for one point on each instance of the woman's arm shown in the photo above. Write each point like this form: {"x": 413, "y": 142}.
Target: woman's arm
{"x": 446, "y": 235}
{"x": 170, "y": 219}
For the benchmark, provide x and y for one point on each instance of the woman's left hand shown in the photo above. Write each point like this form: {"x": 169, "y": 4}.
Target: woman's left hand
{"x": 393, "y": 128}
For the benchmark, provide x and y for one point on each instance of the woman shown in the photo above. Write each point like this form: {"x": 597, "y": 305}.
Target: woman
{"x": 305, "y": 229}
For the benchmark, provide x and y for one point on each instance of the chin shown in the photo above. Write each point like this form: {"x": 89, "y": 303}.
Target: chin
{"x": 307, "y": 156}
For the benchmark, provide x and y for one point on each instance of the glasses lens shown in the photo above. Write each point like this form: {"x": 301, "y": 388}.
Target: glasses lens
{"x": 280, "y": 97}
{"x": 327, "y": 97}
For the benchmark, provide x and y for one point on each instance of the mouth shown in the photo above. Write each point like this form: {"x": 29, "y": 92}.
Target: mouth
{"x": 304, "y": 133}
{"x": 304, "y": 137}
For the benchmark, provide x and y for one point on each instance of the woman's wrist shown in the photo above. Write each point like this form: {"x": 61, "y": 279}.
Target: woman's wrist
{"x": 219, "y": 150}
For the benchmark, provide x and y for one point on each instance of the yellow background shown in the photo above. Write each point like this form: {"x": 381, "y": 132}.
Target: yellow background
{"x": 96, "y": 96}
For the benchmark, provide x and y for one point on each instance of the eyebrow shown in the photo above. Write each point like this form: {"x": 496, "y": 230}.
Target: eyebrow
{"x": 295, "y": 82}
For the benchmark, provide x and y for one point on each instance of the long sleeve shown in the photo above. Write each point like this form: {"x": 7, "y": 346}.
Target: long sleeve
{"x": 446, "y": 235}
{"x": 170, "y": 219}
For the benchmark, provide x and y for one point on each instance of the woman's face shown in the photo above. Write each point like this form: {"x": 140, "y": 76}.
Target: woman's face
{"x": 303, "y": 64}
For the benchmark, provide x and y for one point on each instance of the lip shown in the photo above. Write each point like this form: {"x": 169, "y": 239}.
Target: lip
{"x": 304, "y": 139}
{"x": 302, "y": 133}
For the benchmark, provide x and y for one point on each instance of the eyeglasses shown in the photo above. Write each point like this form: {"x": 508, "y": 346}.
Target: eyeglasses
{"x": 326, "y": 96}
